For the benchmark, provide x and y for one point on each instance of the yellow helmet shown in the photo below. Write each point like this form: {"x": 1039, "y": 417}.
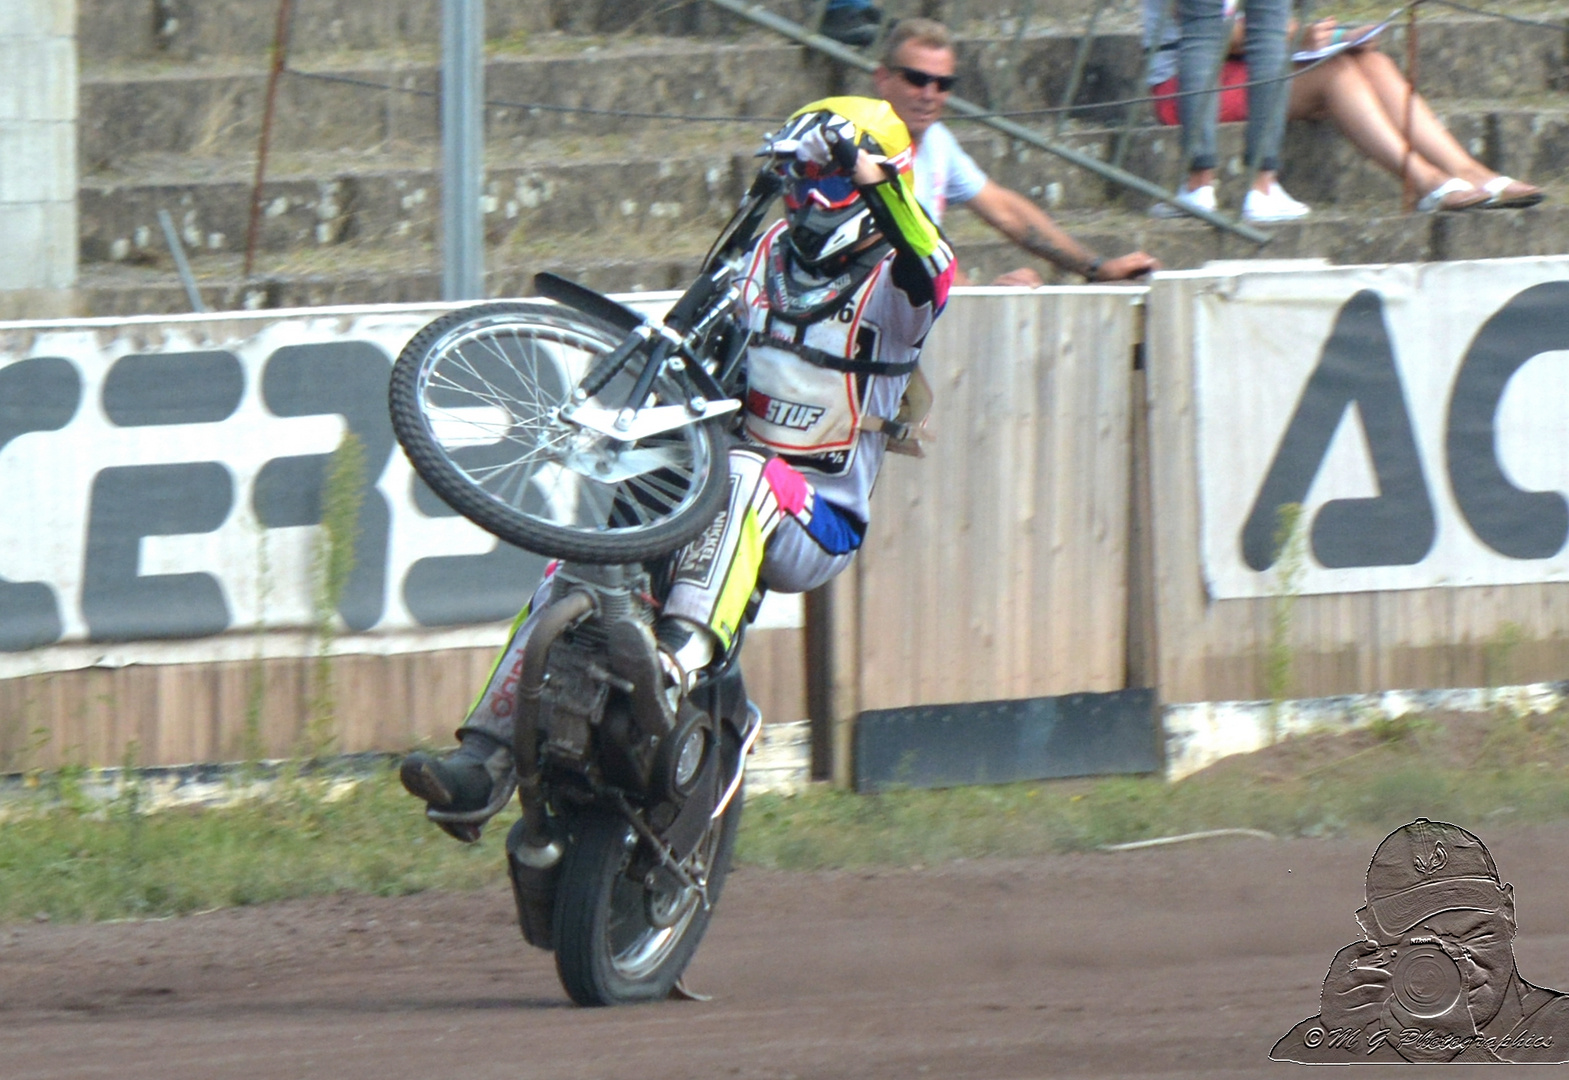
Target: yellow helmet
{"x": 828, "y": 219}
{"x": 873, "y": 118}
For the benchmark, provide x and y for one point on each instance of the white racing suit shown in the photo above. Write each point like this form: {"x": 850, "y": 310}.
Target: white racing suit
{"x": 819, "y": 380}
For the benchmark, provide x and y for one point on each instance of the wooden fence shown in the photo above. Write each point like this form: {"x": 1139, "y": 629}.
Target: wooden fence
{"x": 997, "y": 567}
{"x": 172, "y": 714}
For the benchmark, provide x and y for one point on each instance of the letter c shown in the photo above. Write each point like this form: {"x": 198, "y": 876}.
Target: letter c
{"x": 1518, "y": 524}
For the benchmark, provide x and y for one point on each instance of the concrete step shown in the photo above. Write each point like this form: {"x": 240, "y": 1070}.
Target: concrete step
{"x": 216, "y": 108}
{"x": 1322, "y": 167}
{"x": 373, "y": 201}
{"x": 354, "y": 274}
{"x": 116, "y": 31}
{"x": 348, "y": 275}
{"x": 636, "y": 190}
{"x": 1342, "y": 238}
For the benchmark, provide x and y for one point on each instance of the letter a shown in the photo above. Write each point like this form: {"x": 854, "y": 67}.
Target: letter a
{"x": 1394, "y": 528}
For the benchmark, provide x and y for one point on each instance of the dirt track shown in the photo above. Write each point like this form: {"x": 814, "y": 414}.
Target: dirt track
{"x": 1175, "y": 962}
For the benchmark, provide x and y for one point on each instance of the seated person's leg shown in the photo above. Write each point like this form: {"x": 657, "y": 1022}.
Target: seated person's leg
{"x": 1429, "y": 136}
{"x": 1343, "y": 93}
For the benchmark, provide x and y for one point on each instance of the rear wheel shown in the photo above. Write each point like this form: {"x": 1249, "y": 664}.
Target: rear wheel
{"x": 621, "y": 937}
{"x": 476, "y": 400}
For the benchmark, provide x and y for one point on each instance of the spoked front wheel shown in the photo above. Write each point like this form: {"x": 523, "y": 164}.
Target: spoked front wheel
{"x": 477, "y": 401}
{"x": 621, "y": 937}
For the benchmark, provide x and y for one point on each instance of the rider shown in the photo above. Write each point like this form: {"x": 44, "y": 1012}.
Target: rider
{"x": 838, "y": 298}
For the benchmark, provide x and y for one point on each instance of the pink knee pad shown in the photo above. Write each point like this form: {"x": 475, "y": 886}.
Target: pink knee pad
{"x": 790, "y": 488}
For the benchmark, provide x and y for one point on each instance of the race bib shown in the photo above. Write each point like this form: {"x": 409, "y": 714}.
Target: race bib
{"x": 797, "y": 408}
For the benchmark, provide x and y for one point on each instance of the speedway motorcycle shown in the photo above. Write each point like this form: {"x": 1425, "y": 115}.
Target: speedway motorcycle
{"x": 581, "y": 430}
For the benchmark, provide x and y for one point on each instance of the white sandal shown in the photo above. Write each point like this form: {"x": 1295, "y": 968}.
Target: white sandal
{"x": 1497, "y": 200}
{"x": 1438, "y": 199}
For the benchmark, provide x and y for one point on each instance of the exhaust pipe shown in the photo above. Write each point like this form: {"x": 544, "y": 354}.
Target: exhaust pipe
{"x": 559, "y": 617}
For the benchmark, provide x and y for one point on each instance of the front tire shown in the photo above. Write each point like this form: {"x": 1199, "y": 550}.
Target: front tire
{"x": 616, "y": 941}
{"x": 476, "y": 399}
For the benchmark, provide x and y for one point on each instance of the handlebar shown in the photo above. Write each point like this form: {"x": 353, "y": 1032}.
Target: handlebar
{"x": 693, "y": 315}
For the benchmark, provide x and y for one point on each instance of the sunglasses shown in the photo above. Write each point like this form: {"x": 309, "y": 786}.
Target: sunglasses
{"x": 828, "y": 192}
{"x": 922, "y": 79}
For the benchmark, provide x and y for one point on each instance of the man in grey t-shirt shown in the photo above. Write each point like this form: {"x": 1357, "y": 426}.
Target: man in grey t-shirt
{"x": 915, "y": 77}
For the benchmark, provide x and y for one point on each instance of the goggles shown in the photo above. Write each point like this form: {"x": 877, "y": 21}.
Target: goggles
{"x": 829, "y": 192}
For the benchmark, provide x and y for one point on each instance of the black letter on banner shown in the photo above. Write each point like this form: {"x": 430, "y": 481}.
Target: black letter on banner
{"x": 154, "y": 389}
{"x": 131, "y": 502}
{"x": 1396, "y": 527}
{"x": 1519, "y": 524}
{"x": 347, "y": 379}
{"x": 449, "y": 590}
{"x": 35, "y": 395}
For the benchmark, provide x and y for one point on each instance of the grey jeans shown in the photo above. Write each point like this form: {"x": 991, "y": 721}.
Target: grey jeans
{"x": 1203, "y": 47}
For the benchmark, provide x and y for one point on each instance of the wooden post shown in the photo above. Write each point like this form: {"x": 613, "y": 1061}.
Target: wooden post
{"x": 819, "y": 675}
{"x": 846, "y": 676}
{"x": 1141, "y": 662}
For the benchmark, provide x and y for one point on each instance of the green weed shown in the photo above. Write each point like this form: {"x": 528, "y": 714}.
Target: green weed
{"x": 1290, "y": 560}
{"x": 343, "y": 493}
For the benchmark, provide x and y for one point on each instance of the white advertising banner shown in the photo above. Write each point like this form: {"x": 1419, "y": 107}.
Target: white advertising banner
{"x": 1419, "y": 415}
{"x": 162, "y": 483}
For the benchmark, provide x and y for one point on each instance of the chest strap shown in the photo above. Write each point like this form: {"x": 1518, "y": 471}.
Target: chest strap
{"x": 824, "y": 359}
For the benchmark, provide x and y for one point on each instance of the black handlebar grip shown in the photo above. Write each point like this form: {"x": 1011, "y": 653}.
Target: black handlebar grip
{"x": 691, "y": 302}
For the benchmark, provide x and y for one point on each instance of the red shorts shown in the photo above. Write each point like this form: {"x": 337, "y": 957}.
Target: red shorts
{"x": 1233, "y": 95}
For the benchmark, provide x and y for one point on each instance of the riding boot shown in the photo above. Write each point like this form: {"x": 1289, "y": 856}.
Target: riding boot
{"x": 471, "y": 783}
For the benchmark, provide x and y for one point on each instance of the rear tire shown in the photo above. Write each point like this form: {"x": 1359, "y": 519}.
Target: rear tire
{"x": 608, "y": 952}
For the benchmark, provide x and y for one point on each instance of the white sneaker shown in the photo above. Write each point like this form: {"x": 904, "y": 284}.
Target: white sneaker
{"x": 1202, "y": 197}
{"x": 1272, "y": 205}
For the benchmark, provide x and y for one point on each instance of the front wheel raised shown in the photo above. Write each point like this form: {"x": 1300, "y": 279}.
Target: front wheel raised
{"x": 477, "y": 401}
{"x": 621, "y": 939}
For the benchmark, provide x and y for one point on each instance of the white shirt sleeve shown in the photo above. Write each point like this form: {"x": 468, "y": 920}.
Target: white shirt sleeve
{"x": 944, "y": 173}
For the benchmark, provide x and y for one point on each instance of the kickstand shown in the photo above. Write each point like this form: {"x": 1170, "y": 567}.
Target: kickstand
{"x": 681, "y": 992}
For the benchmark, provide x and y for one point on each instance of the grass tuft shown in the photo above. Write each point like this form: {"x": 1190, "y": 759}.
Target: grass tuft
{"x": 78, "y": 861}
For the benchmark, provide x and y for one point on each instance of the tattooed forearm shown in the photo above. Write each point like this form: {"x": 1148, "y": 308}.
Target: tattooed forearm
{"x": 1081, "y": 262}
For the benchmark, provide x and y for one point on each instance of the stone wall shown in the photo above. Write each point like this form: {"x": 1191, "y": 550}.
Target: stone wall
{"x": 37, "y": 157}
